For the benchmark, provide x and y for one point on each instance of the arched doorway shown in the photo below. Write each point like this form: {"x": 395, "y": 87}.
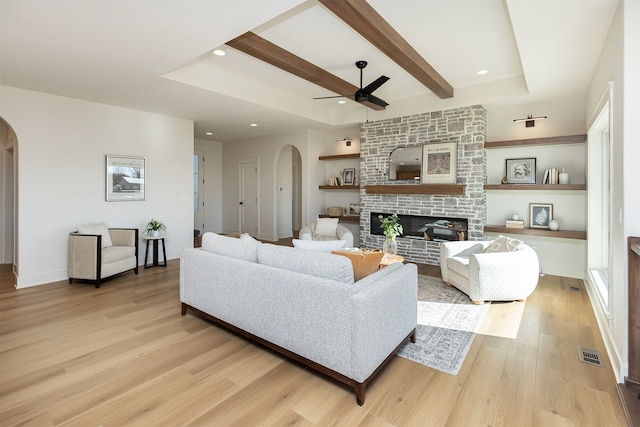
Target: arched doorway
{"x": 288, "y": 197}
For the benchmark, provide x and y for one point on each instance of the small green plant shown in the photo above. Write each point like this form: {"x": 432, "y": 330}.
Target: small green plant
{"x": 390, "y": 226}
{"x": 155, "y": 225}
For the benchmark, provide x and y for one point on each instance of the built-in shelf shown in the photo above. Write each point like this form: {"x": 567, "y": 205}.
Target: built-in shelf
{"x": 339, "y": 187}
{"x": 458, "y": 189}
{"x": 535, "y": 187}
{"x": 340, "y": 156}
{"x": 561, "y": 234}
{"x": 554, "y": 140}
{"x": 344, "y": 218}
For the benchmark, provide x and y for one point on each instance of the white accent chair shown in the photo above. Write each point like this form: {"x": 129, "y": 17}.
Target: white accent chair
{"x": 102, "y": 252}
{"x": 329, "y": 230}
{"x": 495, "y": 276}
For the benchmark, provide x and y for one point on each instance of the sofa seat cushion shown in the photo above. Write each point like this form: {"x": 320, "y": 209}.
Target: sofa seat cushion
{"x": 243, "y": 249}
{"x": 364, "y": 262}
{"x": 117, "y": 253}
{"x": 317, "y": 264}
{"x": 459, "y": 265}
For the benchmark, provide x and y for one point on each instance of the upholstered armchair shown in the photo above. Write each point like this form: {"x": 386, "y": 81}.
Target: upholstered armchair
{"x": 326, "y": 229}
{"x": 499, "y": 270}
{"x": 96, "y": 252}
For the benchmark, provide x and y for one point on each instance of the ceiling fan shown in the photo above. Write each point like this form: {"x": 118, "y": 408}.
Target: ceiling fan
{"x": 365, "y": 94}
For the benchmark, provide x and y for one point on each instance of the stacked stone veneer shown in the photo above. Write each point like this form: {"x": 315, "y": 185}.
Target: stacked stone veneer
{"x": 467, "y": 127}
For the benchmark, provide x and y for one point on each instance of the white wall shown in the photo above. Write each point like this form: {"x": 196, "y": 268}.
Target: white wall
{"x": 620, "y": 62}
{"x": 61, "y": 175}
{"x": 212, "y": 184}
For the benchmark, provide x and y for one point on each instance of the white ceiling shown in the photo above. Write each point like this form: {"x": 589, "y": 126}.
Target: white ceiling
{"x": 155, "y": 55}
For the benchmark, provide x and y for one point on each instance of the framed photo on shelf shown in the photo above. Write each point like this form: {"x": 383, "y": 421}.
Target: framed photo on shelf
{"x": 540, "y": 214}
{"x": 521, "y": 171}
{"x": 349, "y": 176}
{"x": 125, "y": 178}
{"x": 439, "y": 163}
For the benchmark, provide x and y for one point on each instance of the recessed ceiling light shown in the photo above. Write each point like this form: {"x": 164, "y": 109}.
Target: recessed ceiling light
{"x": 342, "y": 101}
{"x": 253, "y": 125}
{"x": 219, "y": 52}
{"x": 209, "y": 133}
{"x": 481, "y": 72}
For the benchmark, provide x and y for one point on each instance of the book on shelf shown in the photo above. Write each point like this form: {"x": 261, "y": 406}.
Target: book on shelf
{"x": 510, "y": 223}
{"x": 550, "y": 176}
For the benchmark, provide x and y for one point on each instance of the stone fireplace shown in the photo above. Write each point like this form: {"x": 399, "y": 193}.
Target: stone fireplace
{"x": 467, "y": 127}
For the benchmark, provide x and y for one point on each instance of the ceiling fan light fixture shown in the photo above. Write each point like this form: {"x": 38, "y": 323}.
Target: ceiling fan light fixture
{"x": 529, "y": 121}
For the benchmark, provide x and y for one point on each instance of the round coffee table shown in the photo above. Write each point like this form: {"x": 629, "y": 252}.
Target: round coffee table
{"x": 385, "y": 262}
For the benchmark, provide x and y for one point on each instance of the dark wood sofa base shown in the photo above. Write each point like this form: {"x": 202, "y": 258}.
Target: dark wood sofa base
{"x": 359, "y": 388}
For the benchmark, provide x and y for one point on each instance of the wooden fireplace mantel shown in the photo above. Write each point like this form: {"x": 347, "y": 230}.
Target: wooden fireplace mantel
{"x": 454, "y": 189}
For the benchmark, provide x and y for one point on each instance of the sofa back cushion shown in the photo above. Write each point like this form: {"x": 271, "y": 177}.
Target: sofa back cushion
{"x": 319, "y": 245}
{"x": 245, "y": 250}
{"x": 317, "y": 264}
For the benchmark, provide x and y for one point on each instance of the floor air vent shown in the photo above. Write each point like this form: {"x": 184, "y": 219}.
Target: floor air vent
{"x": 575, "y": 288}
{"x": 590, "y": 356}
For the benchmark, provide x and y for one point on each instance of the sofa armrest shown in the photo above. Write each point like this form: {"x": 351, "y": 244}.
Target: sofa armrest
{"x": 457, "y": 248}
{"x": 84, "y": 256}
{"x": 345, "y": 234}
{"x": 305, "y": 233}
{"x": 384, "y": 311}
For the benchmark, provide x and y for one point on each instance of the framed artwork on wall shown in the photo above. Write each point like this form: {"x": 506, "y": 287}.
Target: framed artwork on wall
{"x": 125, "y": 178}
{"x": 439, "y": 163}
{"x": 521, "y": 171}
{"x": 540, "y": 214}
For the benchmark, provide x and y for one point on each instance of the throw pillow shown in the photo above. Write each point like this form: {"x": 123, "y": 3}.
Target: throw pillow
{"x": 97, "y": 228}
{"x": 364, "y": 262}
{"x": 504, "y": 244}
{"x": 319, "y": 245}
{"x": 327, "y": 227}
{"x": 247, "y": 237}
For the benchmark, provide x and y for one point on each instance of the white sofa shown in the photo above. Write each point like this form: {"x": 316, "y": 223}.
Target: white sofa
{"x": 303, "y": 304}
{"x": 340, "y": 232}
{"x": 496, "y": 276}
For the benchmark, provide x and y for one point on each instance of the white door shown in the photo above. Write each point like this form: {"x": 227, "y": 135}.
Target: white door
{"x": 249, "y": 197}
{"x": 198, "y": 190}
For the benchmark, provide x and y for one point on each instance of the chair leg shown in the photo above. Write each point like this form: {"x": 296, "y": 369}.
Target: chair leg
{"x": 478, "y": 302}
{"x": 70, "y": 280}
{"x": 448, "y": 284}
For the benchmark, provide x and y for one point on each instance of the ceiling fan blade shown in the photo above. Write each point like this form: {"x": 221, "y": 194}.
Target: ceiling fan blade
{"x": 375, "y": 84}
{"x": 336, "y": 96}
{"x": 377, "y": 101}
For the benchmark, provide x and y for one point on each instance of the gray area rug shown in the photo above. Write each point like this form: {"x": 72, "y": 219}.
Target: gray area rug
{"x": 447, "y": 323}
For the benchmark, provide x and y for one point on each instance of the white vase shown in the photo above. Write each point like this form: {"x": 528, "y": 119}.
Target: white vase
{"x": 390, "y": 249}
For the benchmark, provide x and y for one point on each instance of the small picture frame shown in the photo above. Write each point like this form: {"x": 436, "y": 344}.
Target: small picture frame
{"x": 521, "y": 171}
{"x": 125, "y": 178}
{"x": 349, "y": 176}
{"x": 540, "y": 214}
{"x": 439, "y": 163}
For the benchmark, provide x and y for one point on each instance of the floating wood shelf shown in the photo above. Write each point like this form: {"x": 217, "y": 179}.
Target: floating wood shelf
{"x": 560, "y": 234}
{"x": 340, "y": 156}
{"x": 535, "y": 187}
{"x": 339, "y": 187}
{"x": 554, "y": 140}
{"x": 457, "y": 189}
{"x": 344, "y": 218}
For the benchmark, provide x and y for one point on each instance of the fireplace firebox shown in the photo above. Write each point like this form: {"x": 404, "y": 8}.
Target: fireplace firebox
{"x": 434, "y": 228}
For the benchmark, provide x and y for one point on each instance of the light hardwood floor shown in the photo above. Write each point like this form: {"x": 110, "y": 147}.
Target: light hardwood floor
{"x": 73, "y": 355}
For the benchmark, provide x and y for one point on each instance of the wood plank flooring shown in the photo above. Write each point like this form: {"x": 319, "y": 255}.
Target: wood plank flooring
{"x": 74, "y": 355}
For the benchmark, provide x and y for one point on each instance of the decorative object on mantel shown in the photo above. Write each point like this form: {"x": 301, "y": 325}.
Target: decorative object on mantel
{"x": 553, "y": 225}
{"x": 440, "y": 163}
{"x": 391, "y": 229}
{"x": 521, "y": 171}
{"x": 154, "y": 227}
{"x": 529, "y": 121}
{"x": 540, "y": 214}
{"x": 515, "y": 217}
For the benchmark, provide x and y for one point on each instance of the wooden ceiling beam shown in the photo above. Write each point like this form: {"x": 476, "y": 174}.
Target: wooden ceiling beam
{"x": 364, "y": 19}
{"x": 254, "y": 45}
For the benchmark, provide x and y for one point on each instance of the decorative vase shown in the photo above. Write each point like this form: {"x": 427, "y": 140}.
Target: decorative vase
{"x": 563, "y": 177}
{"x": 553, "y": 225}
{"x": 390, "y": 248}
{"x": 155, "y": 233}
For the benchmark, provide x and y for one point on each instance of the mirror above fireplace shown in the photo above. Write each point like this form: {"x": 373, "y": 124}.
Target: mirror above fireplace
{"x": 405, "y": 163}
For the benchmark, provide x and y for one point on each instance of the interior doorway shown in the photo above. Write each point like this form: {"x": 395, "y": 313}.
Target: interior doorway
{"x": 248, "y": 209}
{"x": 288, "y": 203}
{"x": 9, "y": 197}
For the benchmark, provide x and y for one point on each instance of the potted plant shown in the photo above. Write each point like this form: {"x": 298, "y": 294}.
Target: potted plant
{"x": 154, "y": 227}
{"x": 391, "y": 229}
